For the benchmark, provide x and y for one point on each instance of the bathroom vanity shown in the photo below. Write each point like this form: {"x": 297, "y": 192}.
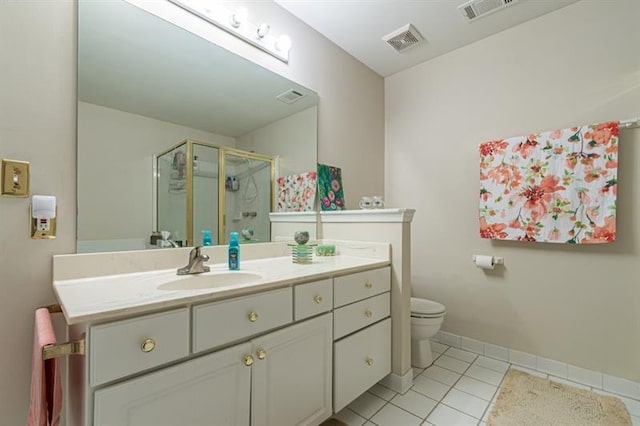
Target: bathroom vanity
{"x": 275, "y": 344}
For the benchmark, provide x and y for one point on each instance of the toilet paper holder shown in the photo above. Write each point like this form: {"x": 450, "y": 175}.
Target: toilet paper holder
{"x": 496, "y": 260}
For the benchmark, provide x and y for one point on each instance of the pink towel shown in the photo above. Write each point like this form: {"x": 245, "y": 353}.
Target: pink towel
{"x": 46, "y": 390}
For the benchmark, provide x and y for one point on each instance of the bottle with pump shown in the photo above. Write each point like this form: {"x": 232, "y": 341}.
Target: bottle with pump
{"x": 234, "y": 252}
{"x": 206, "y": 238}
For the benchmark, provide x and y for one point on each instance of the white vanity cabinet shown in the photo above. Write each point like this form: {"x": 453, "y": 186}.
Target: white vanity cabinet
{"x": 281, "y": 378}
{"x": 214, "y": 389}
{"x": 363, "y": 357}
{"x": 287, "y": 356}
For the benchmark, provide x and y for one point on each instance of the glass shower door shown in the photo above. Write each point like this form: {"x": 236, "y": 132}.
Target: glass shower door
{"x": 205, "y": 192}
{"x": 172, "y": 189}
{"x": 248, "y": 197}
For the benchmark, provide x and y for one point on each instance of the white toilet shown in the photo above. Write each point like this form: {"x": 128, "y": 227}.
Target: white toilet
{"x": 426, "y": 319}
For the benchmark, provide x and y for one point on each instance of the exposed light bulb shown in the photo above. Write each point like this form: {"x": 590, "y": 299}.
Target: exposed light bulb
{"x": 263, "y": 30}
{"x": 239, "y": 17}
{"x": 283, "y": 44}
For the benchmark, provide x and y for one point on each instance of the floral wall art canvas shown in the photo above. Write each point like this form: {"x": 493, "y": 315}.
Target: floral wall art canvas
{"x": 558, "y": 186}
{"x": 330, "y": 190}
{"x": 297, "y": 193}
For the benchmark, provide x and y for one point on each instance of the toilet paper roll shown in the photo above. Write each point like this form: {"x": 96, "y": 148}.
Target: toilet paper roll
{"x": 484, "y": 262}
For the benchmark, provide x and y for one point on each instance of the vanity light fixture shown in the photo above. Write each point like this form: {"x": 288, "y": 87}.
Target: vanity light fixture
{"x": 283, "y": 44}
{"x": 236, "y": 23}
{"x": 238, "y": 18}
{"x": 263, "y": 30}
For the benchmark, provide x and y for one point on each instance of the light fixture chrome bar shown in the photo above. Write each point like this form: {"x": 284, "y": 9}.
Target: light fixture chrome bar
{"x": 238, "y": 26}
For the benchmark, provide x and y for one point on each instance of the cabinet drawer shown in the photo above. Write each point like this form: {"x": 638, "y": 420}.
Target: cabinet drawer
{"x": 218, "y": 323}
{"x": 354, "y": 287}
{"x": 350, "y": 318}
{"x": 312, "y": 299}
{"x": 360, "y": 361}
{"x": 120, "y": 348}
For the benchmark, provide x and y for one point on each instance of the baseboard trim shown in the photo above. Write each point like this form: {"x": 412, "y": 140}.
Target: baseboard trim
{"x": 398, "y": 383}
{"x": 597, "y": 380}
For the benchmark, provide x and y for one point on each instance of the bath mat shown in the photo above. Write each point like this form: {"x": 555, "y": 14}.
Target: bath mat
{"x": 528, "y": 400}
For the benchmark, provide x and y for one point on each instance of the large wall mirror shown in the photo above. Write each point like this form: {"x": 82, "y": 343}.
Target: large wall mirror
{"x": 145, "y": 85}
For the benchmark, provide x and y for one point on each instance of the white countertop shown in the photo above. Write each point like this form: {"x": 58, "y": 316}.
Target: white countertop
{"x": 112, "y": 296}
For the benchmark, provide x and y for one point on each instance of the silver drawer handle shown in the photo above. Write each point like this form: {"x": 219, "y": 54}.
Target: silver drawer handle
{"x": 368, "y": 313}
{"x": 318, "y": 299}
{"x": 369, "y": 361}
{"x": 368, "y": 284}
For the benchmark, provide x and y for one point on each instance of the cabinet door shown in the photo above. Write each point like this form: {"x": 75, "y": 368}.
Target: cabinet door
{"x": 210, "y": 390}
{"x": 291, "y": 384}
{"x": 361, "y": 360}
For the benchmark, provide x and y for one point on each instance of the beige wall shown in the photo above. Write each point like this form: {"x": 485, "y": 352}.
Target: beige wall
{"x": 38, "y": 124}
{"x": 289, "y": 138}
{"x": 576, "y": 304}
{"x": 114, "y": 166}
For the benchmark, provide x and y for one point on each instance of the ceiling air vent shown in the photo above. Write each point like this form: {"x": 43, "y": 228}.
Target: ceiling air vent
{"x": 290, "y": 96}
{"x": 404, "y": 38}
{"x": 475, "y": 9}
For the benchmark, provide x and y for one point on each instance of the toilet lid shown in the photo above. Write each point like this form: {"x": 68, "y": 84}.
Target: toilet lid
{"x": 426, "y": 307}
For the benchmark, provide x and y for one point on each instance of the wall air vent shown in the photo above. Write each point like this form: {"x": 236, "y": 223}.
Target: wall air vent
{"x": 404, "y": 38}
{"x": 290, "y": 96}
{"x": 475, "y": 9}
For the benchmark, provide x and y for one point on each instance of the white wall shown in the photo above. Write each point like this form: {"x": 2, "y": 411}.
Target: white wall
{"x": 288, "y": 138}
{"x": 578, "y": 65}
{"x": 120, "y": 146}
{"x": 38, "y": 124}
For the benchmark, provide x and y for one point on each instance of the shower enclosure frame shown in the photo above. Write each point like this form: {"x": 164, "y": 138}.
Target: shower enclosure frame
{"x": 222, "y": 152}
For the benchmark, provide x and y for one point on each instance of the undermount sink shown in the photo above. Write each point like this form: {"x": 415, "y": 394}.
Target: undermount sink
{"x": 210, "y": 280}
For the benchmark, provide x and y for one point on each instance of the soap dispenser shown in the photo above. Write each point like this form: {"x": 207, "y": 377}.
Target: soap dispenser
{"x": 206, "y": 238}
{"x": 234, "y": 252}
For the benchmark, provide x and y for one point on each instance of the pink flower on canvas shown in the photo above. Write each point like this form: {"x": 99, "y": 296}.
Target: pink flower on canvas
{"x": 492, "y": 231}
{"x": 335, "y": 185}
{"x": 493, "y": 147}
{"x": 556, "y": 134}
{"x": 603, "y": 234}
{"x": 602, "y": 133}
{"x": 526, "y": 148}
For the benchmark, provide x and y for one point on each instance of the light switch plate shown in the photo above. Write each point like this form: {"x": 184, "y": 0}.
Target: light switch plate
{"x": 15, "y": 178}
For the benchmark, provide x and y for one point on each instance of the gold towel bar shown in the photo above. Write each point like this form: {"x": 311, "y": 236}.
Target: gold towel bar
{"x": 67, "y": 348}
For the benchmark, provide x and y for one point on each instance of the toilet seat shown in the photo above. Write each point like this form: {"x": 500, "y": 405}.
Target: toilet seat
{"x": 423, "y": 308}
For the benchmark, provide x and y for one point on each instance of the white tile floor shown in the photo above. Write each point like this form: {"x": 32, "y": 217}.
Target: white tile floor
{"x": 458, "y": 389}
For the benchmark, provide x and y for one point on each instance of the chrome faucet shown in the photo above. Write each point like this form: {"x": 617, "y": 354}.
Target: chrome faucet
{"x": 196, "y": 263}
